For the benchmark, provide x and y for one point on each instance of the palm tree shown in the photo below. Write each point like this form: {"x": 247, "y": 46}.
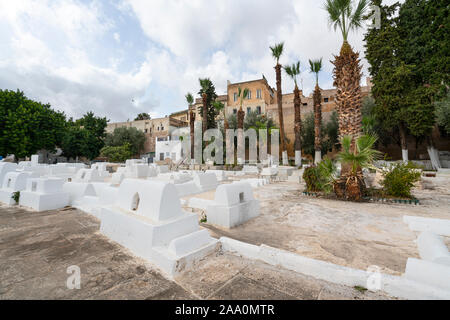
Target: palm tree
{"x": 277, "y": 51}
{"x": 293, "y": 71}
{"x": 190, "y": 101}
{"x": 316, "y": 66}
{"x": 344, "y": 15}
{"x": 240, "y": 125}
{"x": 356, "y": 154}
{"x": 220, "y": 107}
{"x": 242, "y": 94}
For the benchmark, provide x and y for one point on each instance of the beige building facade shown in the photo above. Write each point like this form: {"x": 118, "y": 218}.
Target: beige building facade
{"x": 261, "y": 99}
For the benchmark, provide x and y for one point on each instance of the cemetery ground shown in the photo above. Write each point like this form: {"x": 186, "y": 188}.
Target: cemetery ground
{"x": 36, "y": 249}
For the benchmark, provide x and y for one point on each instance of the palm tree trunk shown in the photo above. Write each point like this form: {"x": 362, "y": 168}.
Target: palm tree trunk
{"x": 347, "y": 76}
{"x": 240, "y": 140}
{"x": 317, "y": 99}
{"x": 205, "y": 114}
{"x": 297, "y": 127}
{"x": 192, "y": 128}
{"x": 280, "y": 110}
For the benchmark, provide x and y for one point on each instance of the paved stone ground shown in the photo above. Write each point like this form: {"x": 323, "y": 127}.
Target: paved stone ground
{"x": 37, "y": 248}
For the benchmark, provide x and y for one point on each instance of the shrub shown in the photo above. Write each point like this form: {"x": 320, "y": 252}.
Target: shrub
{"x": 312, "y": 177}
{"x": 399, "y": 179}
{"x": 16, "y": 196}
{"x": 117, "y": 154}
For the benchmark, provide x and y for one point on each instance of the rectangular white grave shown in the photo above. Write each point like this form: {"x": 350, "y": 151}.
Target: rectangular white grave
{"x": 147, "y": 219}
{"x": 6, "y": 167}
{"x": 43, "y": 194}
{"x": 88, "y": 176}
{"x": 233, "y": 205}
{"x": 250, "y": 169}
{"x": 13, "y": 181}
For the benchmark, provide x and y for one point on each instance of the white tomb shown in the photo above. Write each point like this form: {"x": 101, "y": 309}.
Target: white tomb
{"x": 250, "y": 169}
{"x": 148, "y": 220}
{"x": 78, "y": 190}
{"x": 233, "y": 205}
{"x": 102, "y": 170}
{"x": 162, "y": 169}
{"x": 44, "y": 194}
{"x": 137, "y": 171}
{"x": 88, "y": 175}
{"x": 118, "y": 176}
{"x": 14, "y": 181}
{"x": 220, "y": 174}
{"x": 205, "y": 181}
{"x": 6, "y": 167}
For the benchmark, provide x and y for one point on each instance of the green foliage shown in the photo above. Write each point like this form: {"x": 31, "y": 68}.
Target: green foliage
{"x": 443, "y": 113}
{"x": 84, "y": 137}
{"x": 27, "y": 126}
{"x": 189, "y": 98}
{"x": 122, "y": 136}
{"x": 409, "y": 63}
{"x": 117, "y": 153}
{"x": 343, "y": 15}
{"x": 361, "y": 155}
{"x": 16, "y": 196}
{"x": 293, "y": 71}
{"x": 399, "y": 179}
{"x": 313, "y": 179}
{"x": 328, "y": 174}
{"x": 329, "y": 134}
{"x": 277, "y": 51}
{"x": 315, "y": 67}
{"x": 206, "y": 86}
{"x": 142, "y": 116}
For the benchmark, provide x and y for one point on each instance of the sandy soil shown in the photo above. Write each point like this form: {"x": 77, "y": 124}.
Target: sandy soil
{"x": 351, "y": 234}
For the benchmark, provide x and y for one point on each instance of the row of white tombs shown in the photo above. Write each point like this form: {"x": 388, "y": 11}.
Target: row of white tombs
{"x": 139, "y": 205}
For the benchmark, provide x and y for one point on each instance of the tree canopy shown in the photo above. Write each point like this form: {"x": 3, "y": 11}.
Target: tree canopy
{"x": 206, "y": 86}
{"x": 122, "y": 136}
{"x": 142, "y": 116}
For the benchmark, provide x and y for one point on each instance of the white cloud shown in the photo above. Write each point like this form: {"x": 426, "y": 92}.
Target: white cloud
{"x": 78, "y": 56}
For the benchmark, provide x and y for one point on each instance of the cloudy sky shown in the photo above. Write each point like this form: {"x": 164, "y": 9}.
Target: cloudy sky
{"x": 122, "y": 57}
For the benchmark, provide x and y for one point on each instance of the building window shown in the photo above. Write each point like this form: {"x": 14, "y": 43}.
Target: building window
{"x": 305, "y": 104}
{"x": 234, "y": 111}
{"x": 248, "y": 110}
{"x": 145, "y": 130}
{"x": 258, "y": 94}
{"x": 258, "y": 109}
{"x": 162, "y": 128}
{"x": 235, "y": 96}
{"x": 161, "y": 156}
{"x": 249, "y": 94}
{"x": 325, "y": 99}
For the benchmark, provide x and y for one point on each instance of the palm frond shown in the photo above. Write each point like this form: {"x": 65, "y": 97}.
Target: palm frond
{"x": 277, "y": 51}
{"x": 356, "y": 17}
{"x": 189, "y": 98}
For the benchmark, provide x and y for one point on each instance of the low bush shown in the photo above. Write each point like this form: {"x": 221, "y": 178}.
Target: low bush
{"x": 117, "y": 154}
{"x": 16, "y": 196}
{"x": 312, "y": 177}
{"x": 399, "y": 179}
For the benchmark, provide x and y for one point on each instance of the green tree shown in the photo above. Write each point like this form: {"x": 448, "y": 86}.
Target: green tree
{"x": 443, "y": 114}
{"x": 122, "y": 136}
{"x": 328, "y": 138}
{"x": 142, "y": 116}
{"x": 117, "y": 153}
{"x": 27, "y": 126}
{"x": 207, "y": 110}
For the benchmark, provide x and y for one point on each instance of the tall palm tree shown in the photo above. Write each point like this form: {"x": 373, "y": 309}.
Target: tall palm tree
{"x": 315, "y": 67}
{"x": 343, "y": 14}
{"x": 190, "y": 101}
{"x": 242, "y": 94}
{"x": 240, "y": 125}
{"x": 293, "y": 71}
{"x": 277, "y": 51}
